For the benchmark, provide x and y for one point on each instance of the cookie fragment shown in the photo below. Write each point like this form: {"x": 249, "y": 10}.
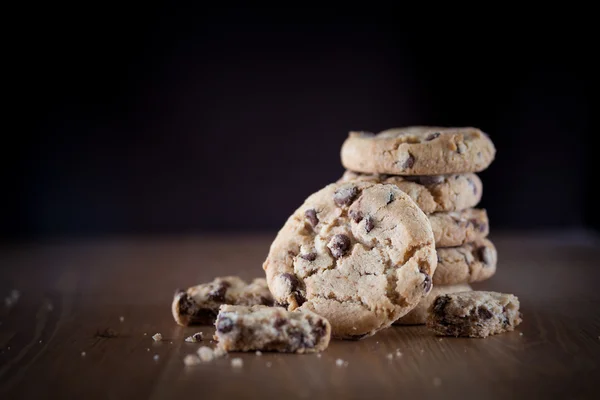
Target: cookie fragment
{"x": 474, "y": 314}
{"x": 242, "y": 328}
{"x": 199, "y": 305}
{"x": 418, "y": 315}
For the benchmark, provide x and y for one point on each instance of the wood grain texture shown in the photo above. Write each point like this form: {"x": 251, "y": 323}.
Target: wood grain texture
{"x": 71, "y": 289}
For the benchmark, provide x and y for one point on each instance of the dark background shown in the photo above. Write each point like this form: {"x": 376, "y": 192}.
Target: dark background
{"x": 179, "y": 121}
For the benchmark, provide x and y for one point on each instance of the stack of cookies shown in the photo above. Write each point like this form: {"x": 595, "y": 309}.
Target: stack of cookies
{"x": 437, "y": 168}
{"x": 396, "y": 240}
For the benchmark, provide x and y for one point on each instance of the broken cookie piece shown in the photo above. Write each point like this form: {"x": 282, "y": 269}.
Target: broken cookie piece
{"x": 199, "y": 305}
{"x": 242, "y": 328}
{"x": 474, "y": 314}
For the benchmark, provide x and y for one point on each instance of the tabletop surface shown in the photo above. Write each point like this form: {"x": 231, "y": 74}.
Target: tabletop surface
{"x": 70, "y": 290}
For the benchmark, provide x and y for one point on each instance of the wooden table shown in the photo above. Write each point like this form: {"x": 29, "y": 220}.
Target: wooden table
{"x": 71, "y": 289}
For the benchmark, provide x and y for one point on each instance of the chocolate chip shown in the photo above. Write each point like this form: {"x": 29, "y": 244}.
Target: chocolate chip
{"x": 344, "y": 196}
{"x": 197, "y": 337}
{"x": 485, "y": 255}
{"x": 218, "y": 294}
{"x": 309, "y": 256}
{"x": 369, "y": 224}
{"x": 356, "y": 216}
{"x": 265, "y": 301}
{"x": 297, "y": 338}
{"x": 224, "y": 324}
{"x": 415, "y": 179}
{"x": 295, "y": 285}
{"x": 339, "y": 245}
{"x": 299, "y": 298}
{"x": 279, "y": 322}
{"x": 473, "y": 186}
{"x": 434, "y": 135}
{"x": 426, "y": 282}
{"x": 484, "y": 313}
{"x": 409, "y": 162}
{"x": 293, "y": 281}
{"x": 391, "y": 198}
{"x": 480, "y": 226}
{"x": 319, "y": 329}
{"x": 311, "y": 216}
{"x": 440, "y": 303}
{"x": 431, "y": 180}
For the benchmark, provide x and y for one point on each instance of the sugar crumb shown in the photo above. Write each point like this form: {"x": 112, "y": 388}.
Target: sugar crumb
{"x": 258, "y": 353}
{"x": 195, "y": 338}
{"x": 341, "y": 363}
{"x": 520, "y": 333}
{"x": 437, "y": 381}
{"x": 191, "y": 359}
{"x": 390, "y": 356}
{"x": 157, "y": 337}
{"x": 206, "y": 354}
{"x": 237, "y": 363}
{"x": 156, "y": 357}
{"x": 219, "y": 352}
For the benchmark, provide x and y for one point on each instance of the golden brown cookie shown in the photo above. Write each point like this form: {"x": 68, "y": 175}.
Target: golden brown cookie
{"x": 418, "y": 150}
{"x": 435, "y": 193}
{"x": 359, "y": 254}
{"x": 471, "y": 262}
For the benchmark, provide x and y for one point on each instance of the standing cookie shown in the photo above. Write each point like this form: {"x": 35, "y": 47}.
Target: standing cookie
{"x": 418, "y": 150}
{"x": 359, "y": 254}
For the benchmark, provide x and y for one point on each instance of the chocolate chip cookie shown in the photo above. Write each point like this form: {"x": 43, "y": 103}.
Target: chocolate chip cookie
{"x": 242, "y": 328}
{"x": 474, "y": 314}
{"x": 459, "y": 227}
{"x": 418, "y": 315}
{"x": 435, "y": 193}
{"x": 418, "y": 150}
{"x": 471, "y": 262}
{"x": 359, "y": 254}
{"x": 200, "y": 304}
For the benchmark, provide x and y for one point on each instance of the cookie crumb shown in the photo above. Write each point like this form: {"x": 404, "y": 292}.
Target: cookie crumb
{"x": 422, "y": 351}
{"x": 341, "y": 363}
{"x": 206, "y": 354}
{"x": 219, "y": 352}
{"x": 83, "y": 354}
{"x": 191, "y": 359}
{"x": 157, "y": 337}
{"x": 440, "y": 339}
{"x": 269, "y": 364}
{"x": 437, "y": 381}
{"x": 521, "y": 334}
{"x": 237, "y": 363}
{"x": 195, "y": 338}
{"x": 319, "y": 355}
{"x": 390, "y": 356}
{"x": 353, "y": 328}
{"x": 40, "y": 341}
{"x": 398, "y": 354}
{"x": 121, "y": 318}
{"x": 49, "y": 307}
{"x": 145, "y": 334}
{"x": 156, "y": 357}
{"x": 147, "y": 348}
{"x": 258, "y": 353}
